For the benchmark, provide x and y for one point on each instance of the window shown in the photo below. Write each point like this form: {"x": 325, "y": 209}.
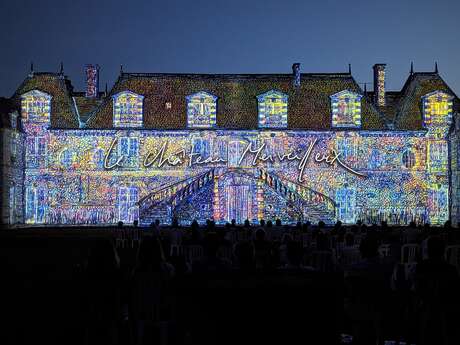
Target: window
{"x": 127, "y": 109}
{"x": 439, "y": 203}
{"x": 346, "y": 147}
{"x": 346, "y": 109}
{"x": 98, "y": 158}
{"x": 437, "y": 153}
{"x": 36, "y": 151}
{"x": 408, "y": 159}
{"x": 35, "y": 205}
{"x": 272, "y": 107}
{"x": 345, "y": 199}
{"x": 437, "y": 108}
{"x": 12, "y": 204}
{"x": 201, "y": 110}
{"x": 129, "y": 146}
{"x": 202, "y": 146}
{"x": 36, "y": 106}
{"x": 67, "y": 158}
{"x": 14, "y": 145}
{"x": 14, "y": 120}
{"x": 128, "y": 211}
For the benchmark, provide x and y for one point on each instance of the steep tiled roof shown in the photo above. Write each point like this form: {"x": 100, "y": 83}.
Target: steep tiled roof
{"x": 63, "y": 114}
{"x": 309, "y": 105}
{"x": 409, "y": 114}
{"x": 86, "y": 106}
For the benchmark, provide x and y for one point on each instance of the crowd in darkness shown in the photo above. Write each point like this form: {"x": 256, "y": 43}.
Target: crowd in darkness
{"x": 268, "y": 282}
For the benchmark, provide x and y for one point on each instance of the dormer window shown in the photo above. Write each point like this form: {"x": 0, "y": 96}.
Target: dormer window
{"x": 272, "y": 107}
{"x": 346, "y": 109}
{"x": 127, "y": 109}
{"x": 437, "y": 108}
{"x": 201, "y": 110}
{"x": 36, "y": 107}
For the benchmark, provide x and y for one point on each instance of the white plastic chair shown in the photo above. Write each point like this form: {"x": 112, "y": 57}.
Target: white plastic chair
{"x": 384, "y": 250}
{"x": 409, "y": 253}
{"x": 409, "y": 256}
{"x": 194, "y": 252}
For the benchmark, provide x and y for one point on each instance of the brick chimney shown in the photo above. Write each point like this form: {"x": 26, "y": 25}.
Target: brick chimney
{"x": 92, "y": 81}
{"x": 379, "y": 84}
{"x": 296, "y": 74}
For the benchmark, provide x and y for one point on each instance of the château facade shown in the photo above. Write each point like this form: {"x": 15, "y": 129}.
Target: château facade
{"x": 297, "y": 146}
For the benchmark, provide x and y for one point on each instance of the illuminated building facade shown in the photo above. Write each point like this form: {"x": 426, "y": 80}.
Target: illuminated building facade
{"x": 300, "y": 146}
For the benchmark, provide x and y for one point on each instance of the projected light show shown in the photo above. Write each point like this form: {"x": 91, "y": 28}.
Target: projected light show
{"x": 294, "y": 147}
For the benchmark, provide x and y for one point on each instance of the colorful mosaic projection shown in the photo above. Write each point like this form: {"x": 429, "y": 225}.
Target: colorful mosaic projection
{"x": 36, "y": 107}
{"x": 127, "y": 109}
{"x": 437, "y": 108}
{"x": 86, "y": 176}
{"x": 201, "y": 110}
{"x": 214, "y": 178}
{"x": 273, "y": 109}
{"x": 379, "y": 81}
{"x": 346, "y": 109}
{"x": 92, "y": 80}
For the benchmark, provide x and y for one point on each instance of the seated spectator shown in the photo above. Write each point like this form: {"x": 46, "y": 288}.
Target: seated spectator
{"x": 436, "y": 287}
{"x": 211, "y": 263}
{"x": 262, "y": 249}
{"x": 149, "y": 293}
{"x": 367, "y": 288}
{"x": 103, "y": 281}
{"x": 244, "y": 253}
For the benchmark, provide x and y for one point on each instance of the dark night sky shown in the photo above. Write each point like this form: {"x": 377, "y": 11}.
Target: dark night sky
{"x": 233, "y": 36}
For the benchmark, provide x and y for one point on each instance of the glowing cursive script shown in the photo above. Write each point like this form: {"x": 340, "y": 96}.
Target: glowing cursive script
{"x": 254, "y": 154}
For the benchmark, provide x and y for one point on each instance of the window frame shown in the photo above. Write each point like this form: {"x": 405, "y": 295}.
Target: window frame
{"x": 117, "y": 118}
{"x": 355, "y": 98}
{"x": 262, "y": 114}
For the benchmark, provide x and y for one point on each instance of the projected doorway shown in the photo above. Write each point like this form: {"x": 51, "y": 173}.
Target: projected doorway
{"x": 238, "y": 203}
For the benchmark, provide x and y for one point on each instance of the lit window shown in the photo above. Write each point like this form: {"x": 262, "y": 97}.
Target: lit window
{"x": 272, "y": 107}
{"x": 35, "y": 151}
{"x": 129, "y": 146}
{"x": 408, "y": 159}
{"x": 127, "y": 109}
{"x": 437, "y": 108}
{"x": 36, "y": 106}
{"x": 35, "y": 205}
{"x": 201, "y": 110}
{"x": 346, "y": 199}
{"x": 67, "y": 158}
{"x": 98, "y": 158}
{"x": 437, "y": 154}
{"x": 128, "y": 211}
{"x": 346, "y": 109}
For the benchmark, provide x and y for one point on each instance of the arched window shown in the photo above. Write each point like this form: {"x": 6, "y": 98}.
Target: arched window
{"x": 201, "y": 110}
{"x": 346, "y": 109}
{"x": 127, "y": 109}
{"x": 437, "y": 108}
{"x": 408, "y": 159}
{"x": 36, "y": 107}
{"x": 67, "y": 158}
{"x": 98, "y": 158}
{"x": 272, "y": 107}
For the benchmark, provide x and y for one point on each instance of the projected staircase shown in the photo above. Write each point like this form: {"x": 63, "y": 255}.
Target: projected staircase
{"x": 161, "y": 203}
{"x": 311, "y": 205}
{"x": 308, "y": 204}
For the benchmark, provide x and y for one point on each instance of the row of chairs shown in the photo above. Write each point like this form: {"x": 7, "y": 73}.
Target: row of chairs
{"x": 127, "y": 238}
